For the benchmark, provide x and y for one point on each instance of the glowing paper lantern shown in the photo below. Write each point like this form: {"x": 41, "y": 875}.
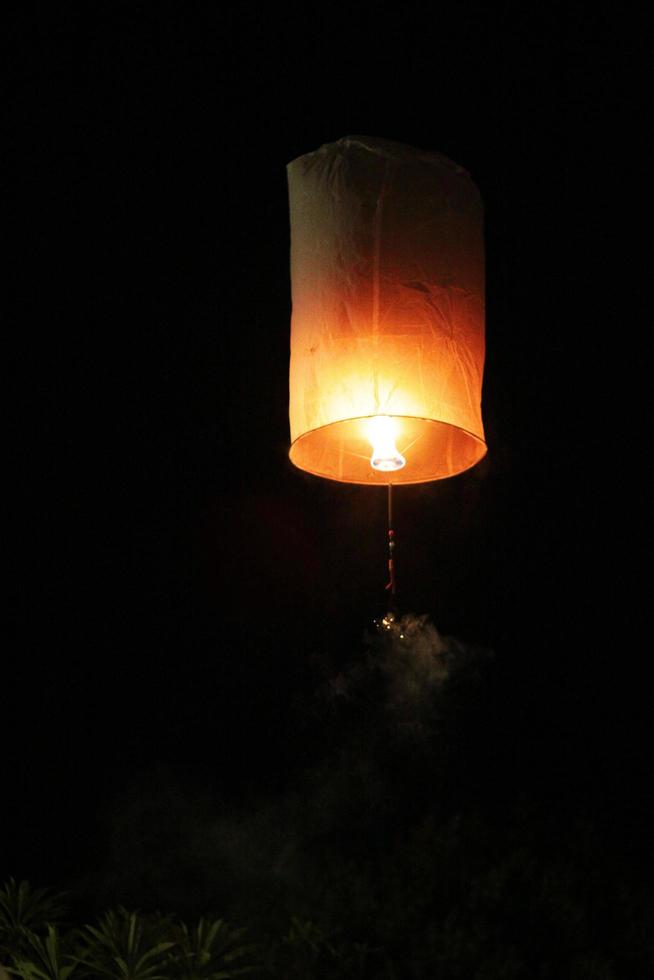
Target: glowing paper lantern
{"x": 387, "y": 332}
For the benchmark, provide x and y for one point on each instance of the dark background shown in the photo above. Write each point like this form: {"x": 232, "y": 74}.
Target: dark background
{"x": 175, "y": 585}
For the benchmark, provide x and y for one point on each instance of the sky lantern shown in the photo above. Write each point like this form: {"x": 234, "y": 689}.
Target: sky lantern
{"x": 387, "y": 329}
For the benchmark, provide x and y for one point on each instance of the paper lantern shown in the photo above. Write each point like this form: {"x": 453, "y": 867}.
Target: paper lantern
{"x": 387, "y": 330}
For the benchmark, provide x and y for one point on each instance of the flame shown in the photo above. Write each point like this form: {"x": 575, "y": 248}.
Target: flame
{"x": 381, "y": 431}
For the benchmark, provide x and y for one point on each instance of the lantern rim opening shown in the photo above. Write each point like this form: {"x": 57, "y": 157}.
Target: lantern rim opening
{"x": 433, "y": 448}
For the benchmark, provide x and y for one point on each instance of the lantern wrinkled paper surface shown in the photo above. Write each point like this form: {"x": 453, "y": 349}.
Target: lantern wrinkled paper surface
{"x": 387, "y": 277}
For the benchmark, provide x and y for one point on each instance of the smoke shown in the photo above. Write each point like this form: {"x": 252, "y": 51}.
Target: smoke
{"x": 394, "y": 833}
{"x": 379, "y": 731}
{"x": 405, "y": 669}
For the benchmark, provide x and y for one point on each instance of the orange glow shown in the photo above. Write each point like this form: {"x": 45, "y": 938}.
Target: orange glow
{"x": 387, "y": 330}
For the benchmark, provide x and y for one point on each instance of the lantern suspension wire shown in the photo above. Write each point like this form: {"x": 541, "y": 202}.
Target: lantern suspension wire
{"x": 391, "y": 587}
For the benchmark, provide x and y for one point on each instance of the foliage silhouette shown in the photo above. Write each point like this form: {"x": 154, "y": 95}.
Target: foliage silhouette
{"x": 25, "y": 910}
{"x": 124, "y": 946}
{"x": 209, "y": 951}
{"x": 42, "y": 958}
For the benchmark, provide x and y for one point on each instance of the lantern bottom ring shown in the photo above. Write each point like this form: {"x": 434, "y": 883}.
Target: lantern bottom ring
{"x": 432, "y": 450}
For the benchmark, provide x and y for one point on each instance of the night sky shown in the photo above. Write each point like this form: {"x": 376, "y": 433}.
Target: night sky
{"x": 176, "y": 588}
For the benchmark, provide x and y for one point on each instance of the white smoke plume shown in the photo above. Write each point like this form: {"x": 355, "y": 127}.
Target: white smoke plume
{"x": 406, "y": 666}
